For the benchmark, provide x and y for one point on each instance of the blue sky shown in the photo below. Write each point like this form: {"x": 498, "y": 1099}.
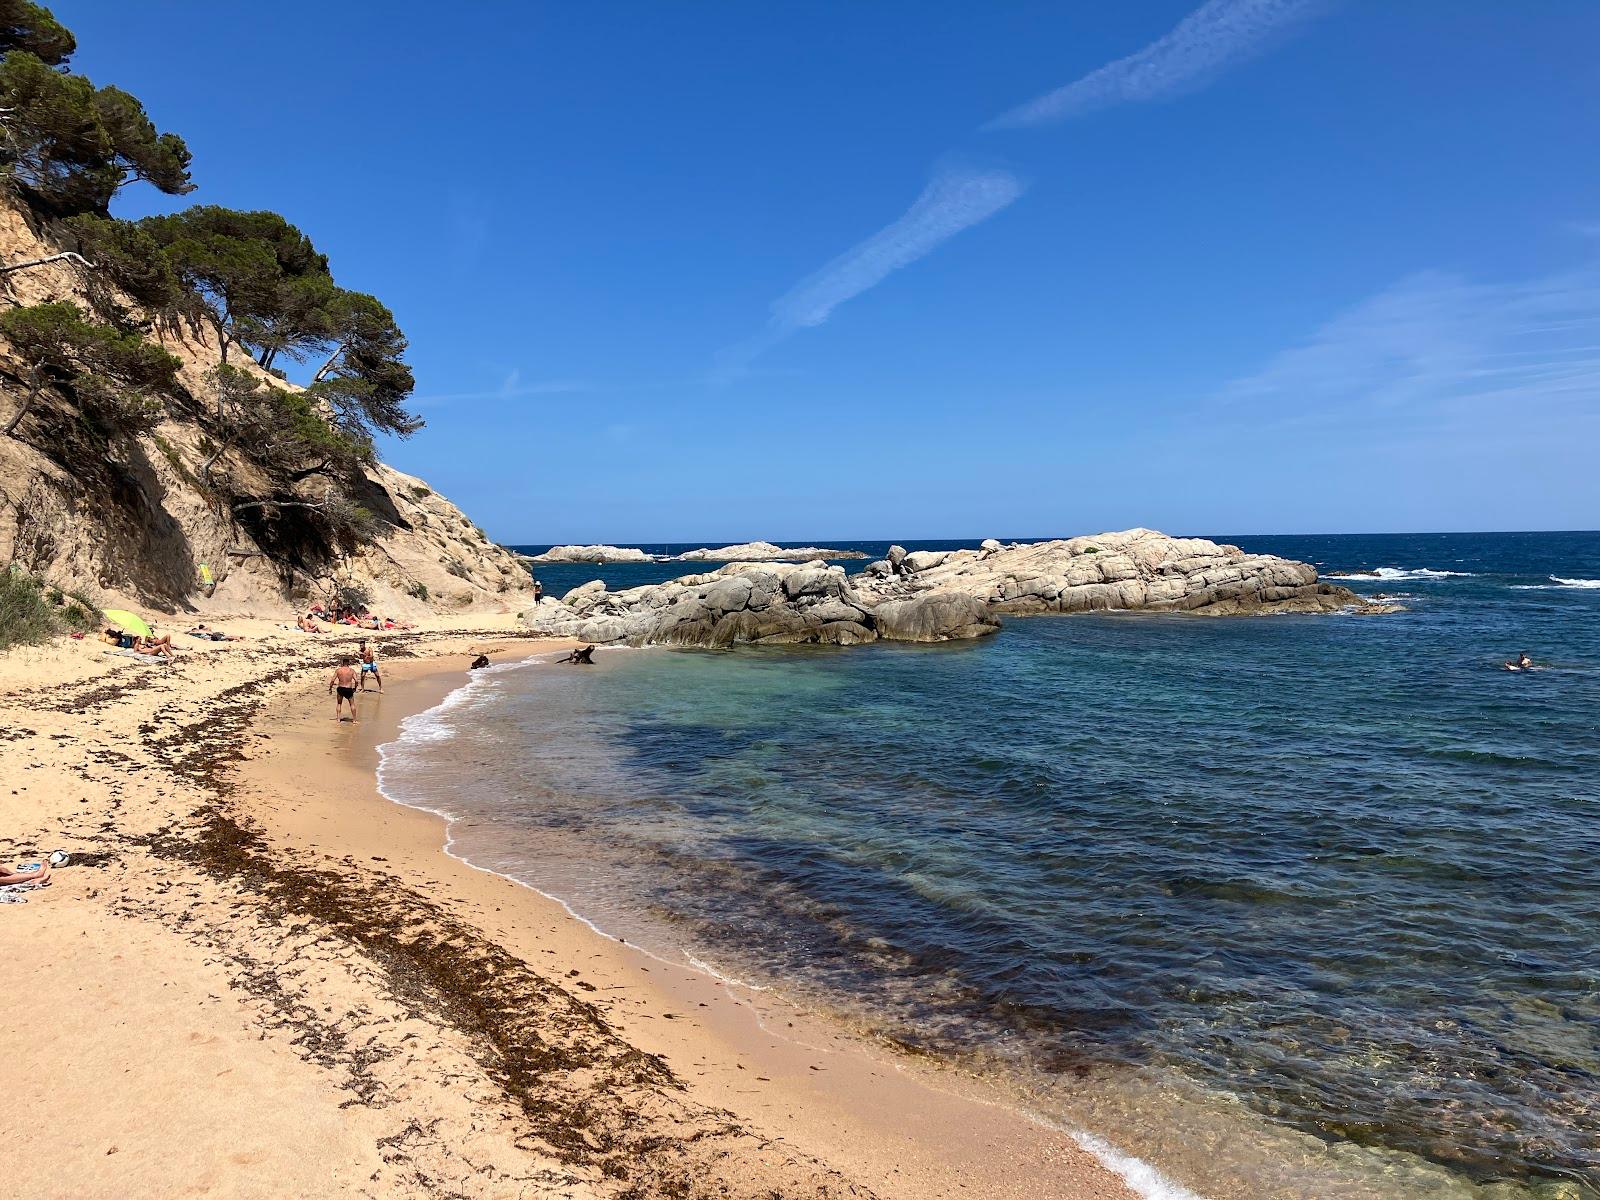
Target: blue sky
{"x": 937, "y": 269}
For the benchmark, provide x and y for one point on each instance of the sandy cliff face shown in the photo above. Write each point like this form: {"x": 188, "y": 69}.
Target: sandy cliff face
{"x": 126, "y": 518}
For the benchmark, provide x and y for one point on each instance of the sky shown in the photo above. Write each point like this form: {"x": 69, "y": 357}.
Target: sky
{"x": 929, "y": 269}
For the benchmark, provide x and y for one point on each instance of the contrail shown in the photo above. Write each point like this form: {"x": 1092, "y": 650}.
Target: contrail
{"x": 955, "y": 199}
{"x": 1218, "y": 33}
{"x": 1215, "y": 35}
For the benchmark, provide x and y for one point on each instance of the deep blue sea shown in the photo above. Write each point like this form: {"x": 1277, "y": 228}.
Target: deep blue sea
{"x": 1293, "y": 906}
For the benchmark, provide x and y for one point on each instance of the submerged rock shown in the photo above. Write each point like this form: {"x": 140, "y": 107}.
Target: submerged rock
{"x": 944, "y": 595}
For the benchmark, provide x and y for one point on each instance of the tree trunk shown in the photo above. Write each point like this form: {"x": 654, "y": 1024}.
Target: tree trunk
{"x": 35, "y": 386}
{"x": 65, "y": 255}
{"x": 323, "y": 370}
{"x": 318, "y": 504}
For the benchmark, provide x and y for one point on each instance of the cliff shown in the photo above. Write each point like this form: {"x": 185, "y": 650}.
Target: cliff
{"x": 125, "y": 516}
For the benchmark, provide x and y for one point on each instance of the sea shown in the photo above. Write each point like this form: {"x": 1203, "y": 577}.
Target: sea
{"x": 1284, "y": 906}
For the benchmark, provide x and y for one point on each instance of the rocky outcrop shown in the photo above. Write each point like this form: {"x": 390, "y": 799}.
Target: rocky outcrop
{"x": 593, "y": 554}
{"x": 943, "y": 595}
{"x": 1133, "y": 569}
{"x": 764, "y": 552}
{"x": 128, "y": 521}
{"x": 781, "y": 603}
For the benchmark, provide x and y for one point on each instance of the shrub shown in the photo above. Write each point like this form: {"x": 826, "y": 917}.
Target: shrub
{"x": 30, "y": 613}
{"x": 418, "y": 590}
{"x": 350, "y": 595}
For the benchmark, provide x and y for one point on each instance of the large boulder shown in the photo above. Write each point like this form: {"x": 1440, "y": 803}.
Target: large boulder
{"x": 934, "y": 617}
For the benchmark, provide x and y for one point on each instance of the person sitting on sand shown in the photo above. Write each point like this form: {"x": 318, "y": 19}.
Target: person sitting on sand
{"x": 156, "y": 647}
{"x": 307, "y": 625}
{"x": 369, "y": 665}
{"x": 343, "y": 682}
{"x": 584, "y": 656}
{"x": 119, "y": 638}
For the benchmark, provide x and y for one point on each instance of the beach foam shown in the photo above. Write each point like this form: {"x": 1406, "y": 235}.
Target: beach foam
{"x": 1558, "y": 584}
{"x": 1392, "y": 573}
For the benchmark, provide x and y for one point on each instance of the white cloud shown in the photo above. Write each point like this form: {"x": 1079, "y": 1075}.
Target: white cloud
{"x": 1435, "y": 348}
{"x": 956, "y": 198}
{"x": 1214, "y": 36}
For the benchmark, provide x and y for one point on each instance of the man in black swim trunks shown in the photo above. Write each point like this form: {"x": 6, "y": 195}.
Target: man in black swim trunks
{"x": 343, "y": 682}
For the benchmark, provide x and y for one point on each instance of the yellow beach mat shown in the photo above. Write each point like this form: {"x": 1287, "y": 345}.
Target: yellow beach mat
{"x": 127, "y": 622}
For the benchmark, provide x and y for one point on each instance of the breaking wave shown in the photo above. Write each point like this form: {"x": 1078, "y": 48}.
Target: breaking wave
{"x": 1393, "y": 573}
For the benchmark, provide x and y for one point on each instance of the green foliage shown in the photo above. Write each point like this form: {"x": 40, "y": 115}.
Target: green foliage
{"x": 71, "y": 145}
{"x": 107, "y": 371}
{"x": 421, "y": 492}
{"x": 418, "y": 590}
{"x": 130, "y": 259}
{"x": 280, "y": 429}
{"x": 265, "y": 286}
{"x": 258, "y": 277}
{"x": 32, "y": 27}
{"x": 160, "y": 159}
{"x": 29, "y": 613}
{"x": 57, "y": 339}
{"x": 365, "y": 379}
{"x": 349, "y": 595}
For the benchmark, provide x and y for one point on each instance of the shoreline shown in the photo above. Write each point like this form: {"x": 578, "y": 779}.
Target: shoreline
{"x": 810, "y": 1064}
{"x": 247, "y": 916}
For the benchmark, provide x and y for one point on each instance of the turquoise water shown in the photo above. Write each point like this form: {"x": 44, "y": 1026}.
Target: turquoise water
{"x": 1320, "y": 894}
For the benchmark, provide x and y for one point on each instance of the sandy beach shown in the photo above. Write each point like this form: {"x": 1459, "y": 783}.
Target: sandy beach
{"x": 259, "y": 976}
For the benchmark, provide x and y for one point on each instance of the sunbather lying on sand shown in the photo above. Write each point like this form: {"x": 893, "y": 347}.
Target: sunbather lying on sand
{"x": 154, "y": 647}
{"x": 206, "y": 633}
{"x": 39, "y": 876}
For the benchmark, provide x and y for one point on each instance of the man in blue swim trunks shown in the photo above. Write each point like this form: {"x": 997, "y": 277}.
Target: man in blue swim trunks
{"x": 369, "y": 666}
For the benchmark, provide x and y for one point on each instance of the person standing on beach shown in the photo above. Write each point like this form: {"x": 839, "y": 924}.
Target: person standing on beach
{"x": 343, "y": 682}
{"x": 369, "y": 666}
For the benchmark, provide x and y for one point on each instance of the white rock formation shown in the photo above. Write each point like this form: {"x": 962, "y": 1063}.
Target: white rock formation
{"x": 592, "y": 554}
{"x": 939, "y": 595}
{"x": 763, "y": 552}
